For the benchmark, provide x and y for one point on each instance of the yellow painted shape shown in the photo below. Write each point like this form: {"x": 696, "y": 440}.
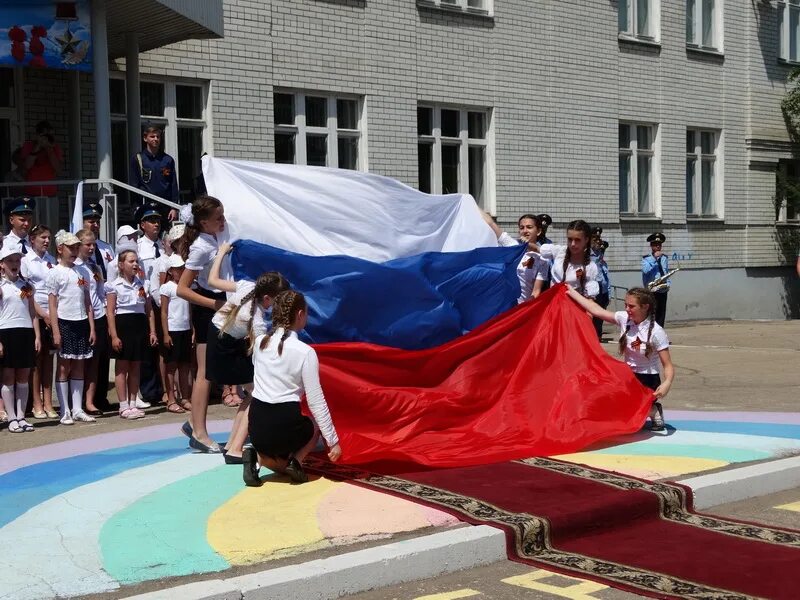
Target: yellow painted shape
{"x": 269, "y": 522}
{"x": 793, "y": 506}
{"x": 646, "y": 467}
{"x": 465, "y": 593}
{"x": 581, "y": 590}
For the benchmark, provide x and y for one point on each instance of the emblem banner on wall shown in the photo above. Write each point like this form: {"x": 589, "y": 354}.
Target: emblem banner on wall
{"x": 46, "y": 34}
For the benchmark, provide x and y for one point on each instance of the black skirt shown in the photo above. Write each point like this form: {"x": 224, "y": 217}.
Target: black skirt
{"x": 19, "y": 348}
{"x": 649, "y": 380}
{"x": 181, "y": 351}
{"x": 227, "y": 361}
{"x": 278, "y": 430}
{"x": 74, "y": 339}
{"x": 201, "y": 316}
{"x": 134, "y": 332}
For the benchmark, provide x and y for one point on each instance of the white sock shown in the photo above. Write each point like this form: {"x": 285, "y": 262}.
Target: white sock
{"x": 7, "y": 391}
{"x": 76, "y": 389}
{"x": 123, "y": 405}
{"x": 62, "y": 393}
{"x": 22, "y": 399}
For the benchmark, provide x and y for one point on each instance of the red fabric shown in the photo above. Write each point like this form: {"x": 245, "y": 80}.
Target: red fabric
{"x": 533, "y": 381}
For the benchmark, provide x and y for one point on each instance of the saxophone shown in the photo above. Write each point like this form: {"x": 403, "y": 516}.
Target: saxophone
{"x": 660, "y": 283}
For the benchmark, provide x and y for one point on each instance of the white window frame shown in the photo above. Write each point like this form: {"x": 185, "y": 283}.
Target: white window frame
{"x": 437, "y": 140}
{"x": 634, "y": 152}
{"x": 698, "y": 158}
{"x": 331, "y": 130}
{"x": 630, "y": 30}
{"x": 695, "y": 21}
{"x": 785, "y": 10}
{"x": 483, "y": 7}
{"x": 169, "y": 121}
{"x": 783, "y": 216}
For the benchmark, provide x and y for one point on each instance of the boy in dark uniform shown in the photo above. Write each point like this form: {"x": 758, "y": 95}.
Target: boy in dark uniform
{"x": 655, "y": 265}
{"x": 153, "y": 170}
{"x": 598, "y": 253}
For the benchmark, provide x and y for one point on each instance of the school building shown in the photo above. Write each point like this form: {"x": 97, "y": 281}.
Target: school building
{"x": 635, "y": 115}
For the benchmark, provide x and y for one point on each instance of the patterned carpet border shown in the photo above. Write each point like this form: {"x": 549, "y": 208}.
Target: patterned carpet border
{"x": 529, "y": 535}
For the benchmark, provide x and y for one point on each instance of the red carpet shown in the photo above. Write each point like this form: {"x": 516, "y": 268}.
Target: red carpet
{"x": 632, "y": 534}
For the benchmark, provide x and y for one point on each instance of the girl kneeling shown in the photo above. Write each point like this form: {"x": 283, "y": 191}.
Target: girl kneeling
{"x": 642, "y": 343}
{"x": 285, "y": 368}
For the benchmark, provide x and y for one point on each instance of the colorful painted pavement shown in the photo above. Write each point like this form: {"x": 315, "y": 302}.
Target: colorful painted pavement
{"x": 127, "y": 507}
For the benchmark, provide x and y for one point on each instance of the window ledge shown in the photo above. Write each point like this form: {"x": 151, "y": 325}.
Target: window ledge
{"x": 704, "y": 51}
{"x": 640, "y": 218}
{"x": 629, "y": 39}
{"x": 470, "y": 12}
{"x": 792, "y": 224}
{"x": 788, "y": 63}
{"x": 701, "y": 219}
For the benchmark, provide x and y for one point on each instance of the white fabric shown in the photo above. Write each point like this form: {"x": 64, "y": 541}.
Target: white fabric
{"x": 97, "y": 291}
{"x": 178, "y": 315}
{"x": 106, "y": 251}
{"x": 320, "y": 211}
{"x": 161, "y": 265}
{"x": 507, "y": 241}
{"x": 148, "y": 260}
{"x": 201, "y": 254}
{"x": 14, "y": 309}
{"x": 239, "y": 328}
{"x": 35, "y": 269}
{"x": 556, "y": 253}
{"x": 634, "y": 357}
{"x": 131, "y": 296}
{"x": 287, "y": 377}
{"x": 530, "y": 269}
{"x": 67, "y": 285}
{"x": 13, "y": 241}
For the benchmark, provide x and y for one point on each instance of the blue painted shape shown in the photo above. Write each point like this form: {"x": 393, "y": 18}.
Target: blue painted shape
{"x": 775, "y": 430}
{"x": 665, "y": 448}
{"x": 24, "y": 488}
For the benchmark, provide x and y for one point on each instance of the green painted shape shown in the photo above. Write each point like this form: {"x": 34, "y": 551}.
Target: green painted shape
{"x": 164, "y": 533}
{"x": 650, "y": 448}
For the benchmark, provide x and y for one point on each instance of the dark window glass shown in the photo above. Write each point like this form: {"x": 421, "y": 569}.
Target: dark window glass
{"x": 119, "y": 159}
{"x": 476, "y": 174}
{"x": 7, "y": 94}
{"x": 283, "y": 111}
{"x": 450, "y": 156}
{"x": 348, "y": 153}
{"x": 284, "y": 148}
{"x": 152, "y": 98}
{"x": 316, "y": 150}
{"x": 450, "y": 126}
{"x": 690, "y": 146}
{"x": 624, "y": 136}
{"x": 425, "y": 161}
{"x": 190, "y": 149}
{"x": 347, "y": 114}
{"x": 116, "y": 89}
{"x": 424, "y": 120}
{"x": 476, "y": 124}
{"x": 189, "y": 102}
{"x": 316, "y": 112}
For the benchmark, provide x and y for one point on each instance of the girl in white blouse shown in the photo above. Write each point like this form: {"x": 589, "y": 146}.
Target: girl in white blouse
{"x": 285, "y": 370}
{"x": 642, "y": 343}
{"x": 572, "y": 263}
{"x": 533, "y": 271}
{"x": 72, "y": 319}
{"x": 130, "y": 317}
{"x": 19, "y": 339}
{"x": 36, "y": 264}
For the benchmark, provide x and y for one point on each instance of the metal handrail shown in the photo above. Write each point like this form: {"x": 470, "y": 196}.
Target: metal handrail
{"x": 130, "y": 188}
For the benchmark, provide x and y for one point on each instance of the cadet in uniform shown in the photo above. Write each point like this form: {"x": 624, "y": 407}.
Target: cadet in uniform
{"x": 153, "y": 170}
{"x": 599, "y": 246}
{"x": 655, "y": 265}
{"x": 19, "y": 213}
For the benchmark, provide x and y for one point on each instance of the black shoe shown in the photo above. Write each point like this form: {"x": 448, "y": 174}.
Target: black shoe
{"x": 94, "y": 413}
{"x": 233, "y": 460}
{"x": 200, "y": 446}
{"x": 186, "y": 428}
{"x": 250, "y": 468}
{"x": 657, "y": 422}
{"x": 295, "y": 470}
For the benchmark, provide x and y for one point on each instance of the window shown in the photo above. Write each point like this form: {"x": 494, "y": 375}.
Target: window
{"x": 789, "y": 29}
{"x": 320, "y": 130}
{"x": 701, "y": 173}
{"x": 639, "y": 19}
{"x": 703, "y": 24}
{"x": 477, "y": 6}
{"x": 179, "y": 107}
{"x": 637, "y": 169}
{"x": 787, "y": 193}
{"x": 453, "y": 152}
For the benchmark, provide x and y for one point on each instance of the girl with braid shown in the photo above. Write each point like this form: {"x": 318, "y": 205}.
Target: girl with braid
{"x": 572, "y": 263}
{"x": 285, "y": 370}
{"x": 642, "y": 343}
{"x": 227, "y": 357}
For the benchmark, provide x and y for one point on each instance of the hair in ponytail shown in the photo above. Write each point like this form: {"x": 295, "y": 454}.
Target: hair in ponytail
{"x": 268, "y": 284}
{"x": 285, "y": 307}
{"x": 643, "y": 296}
{"x": 201, "y": 209}
{"x": 582, "y": 227}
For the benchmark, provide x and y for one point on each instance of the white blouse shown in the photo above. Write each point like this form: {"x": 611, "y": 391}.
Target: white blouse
{"x": 179, "y": 317}
{"x": 590, "y": 272}
{"x": 14, "y": 304}
{"x": 131, "y": 296}
{"x": 530, "y": 269}
{"x": 201, "y": 254}
{"x": 239, "y": 328}
{"x": 97, "y": 291}
{"x": 287, "y": 377}
{"x": 635, "y": 343}
{"x": 35, "y": 268}
{"x": 71, "y": 289}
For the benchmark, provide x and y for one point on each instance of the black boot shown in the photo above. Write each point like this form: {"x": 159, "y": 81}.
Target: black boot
{"x": 250, "y": 467}
{"x": 295, "y": 470}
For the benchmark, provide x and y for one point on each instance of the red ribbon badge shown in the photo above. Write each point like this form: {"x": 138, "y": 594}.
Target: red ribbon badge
{"x": 26, "y": 291}
{"x": 635, "y": 344}
{"x": 142, "y": 293}
{"x": 82, "y": 282}
{"x": 579, "y": 273}
{"x": 49, "y": 266}
{"x": 166, "y": 171}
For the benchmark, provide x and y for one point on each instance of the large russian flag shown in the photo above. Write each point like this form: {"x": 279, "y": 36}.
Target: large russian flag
{"x": 425, "y": 356}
